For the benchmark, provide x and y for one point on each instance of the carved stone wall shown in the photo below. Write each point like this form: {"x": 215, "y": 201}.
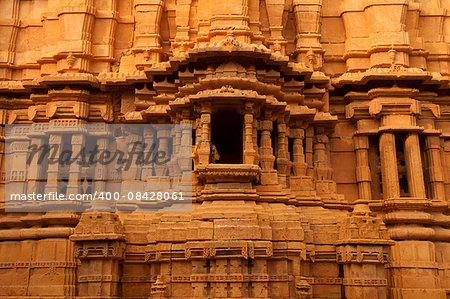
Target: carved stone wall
{"x": 343, "y": 190}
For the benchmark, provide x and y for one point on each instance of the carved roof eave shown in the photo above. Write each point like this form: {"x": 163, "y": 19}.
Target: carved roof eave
{"x": 226, "y": 93}
{"x": 12, "y": 86}
{"x": 112, "y": 79}
{"x": 392, "y": 74}
{"x": 154, "y": 112}
{"x": 325, "y": 119}
{"x": 223, "y": 49}
{"x": 237, "y": 83}
{"x": 63, "y": 79}
{"x": 303, "y": 113}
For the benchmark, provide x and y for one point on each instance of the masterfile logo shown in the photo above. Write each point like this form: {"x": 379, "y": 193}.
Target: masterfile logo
{"x": 98, "y": 167}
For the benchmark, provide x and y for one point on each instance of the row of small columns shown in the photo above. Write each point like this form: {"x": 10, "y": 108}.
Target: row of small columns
{"x": 251, "y": 156}
{"x": 389, "y": 170}
{"x": 315, "y": 154}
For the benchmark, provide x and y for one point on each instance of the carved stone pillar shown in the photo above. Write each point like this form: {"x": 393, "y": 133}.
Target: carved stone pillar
{"x": 17, "y": 144}
{"x": 76, "y": 23}
{"x": 275, "y": 9}
{"x": 299, "y": 165}
{"x": 186, "y": 146}
{"x": 182, "y": 43}
{"x": 254, "y": 21}
{"x": 282, "y": 155}
{"x": 445, "y": 157}
{"x": 357, "y": 35}
{"x": 309, "y": 136}
{"x": 204, "y": 148}
{"x": 363, "y": 176}
{"x": 74, "y": 184}
{"x": 389, "y": 171}
{"x": 267, "y": 157}
{"x": 147, "y": 43}
{"x": 10, "y": 27}
{"x": 308, "y": 48}
{"x": 363, "y": 249}
{"x": 414, "y": 169}
{"x": 37, "y": 169}
{"x": 3, "y": 116}
{"x": 130, "y": 171}
{"x": 99, "y": 244}
{"x": 322, "y": 170}
{"x": 204, "y": 16}
{"x": 163, "y": 136}
{"x": 55, "y": 141}
{"x": 101, "y": 177}
{"x": 391, "y": 31}
{"x": 185, "y": 158}
{"x": 249, "y": 149}
{"x": 436, "y": 171}
{"x": 268, "y": 174}
{"x": 300, "y": 183}
{"x": 233, "y": 13}
{"x": 255, "y": 141}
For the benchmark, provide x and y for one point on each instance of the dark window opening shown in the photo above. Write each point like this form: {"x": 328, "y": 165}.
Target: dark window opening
{"x": 226, "y": 136}
{"x": 274, "y": 138}
{"x": 426, "y": 167}
{"x": 291, "y": 148}
{"x": 401, "y": 165}
{"x": 375, "y": 168}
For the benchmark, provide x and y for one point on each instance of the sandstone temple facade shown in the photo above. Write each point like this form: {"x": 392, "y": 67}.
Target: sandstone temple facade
{"x": 331, "y": 118}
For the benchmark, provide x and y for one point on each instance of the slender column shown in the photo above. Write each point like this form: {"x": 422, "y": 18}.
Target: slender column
{"x": 249, "y": 150}
{"x": 186, "y": 145}
{"x": 204, "y": 149}
{"x": 363, "y": 176}
{"x": 445, "y": 157}
{"x": 130, "y": 172}
{"x": 414, "y": 170}
{"x": 389, "y": 170}
{"x": 36, "y": 168}
{"x": 298, "y": 153}
{"x": 309, "y": 135}
{"x": 17, "y": 144}
{"x": 320, "y": 157}
{"x": 101, "y": 177}
{"x": 74, "y": 185}
{"x": 255, "y": 141}
{"x": 282, "y": 155}
{"x": 266, "y": 150}
{"x": 436, "y": 171}
{"x": 163, "y": 136}
{"x": 53, "y": 165}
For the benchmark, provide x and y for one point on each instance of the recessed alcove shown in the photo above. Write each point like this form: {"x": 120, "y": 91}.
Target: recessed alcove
{"x": 226, "y": 136}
